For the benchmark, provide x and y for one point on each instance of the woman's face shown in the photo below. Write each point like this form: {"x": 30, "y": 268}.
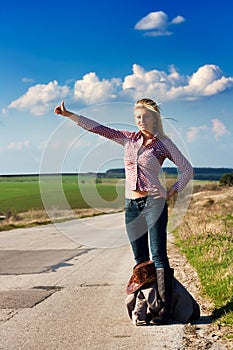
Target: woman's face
{"x": 145, "y": 119}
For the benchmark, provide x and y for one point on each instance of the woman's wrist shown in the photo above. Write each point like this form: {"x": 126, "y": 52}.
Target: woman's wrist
{"x": 72, "y": 116}
{"x": 171, "y": 193}
{"x": 67, "y": 113}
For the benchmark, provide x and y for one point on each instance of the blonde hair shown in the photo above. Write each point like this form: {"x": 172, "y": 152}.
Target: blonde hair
{"x": 152, "y": 106}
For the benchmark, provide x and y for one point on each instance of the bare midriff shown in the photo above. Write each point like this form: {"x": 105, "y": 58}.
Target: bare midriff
{"x": 138, "y": 194}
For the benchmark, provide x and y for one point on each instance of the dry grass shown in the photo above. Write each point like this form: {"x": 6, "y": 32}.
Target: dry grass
{"x": 41, "y": 217}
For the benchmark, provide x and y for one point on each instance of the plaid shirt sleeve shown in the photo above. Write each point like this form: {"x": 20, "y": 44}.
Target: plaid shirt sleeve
{"x": 186, "y": 170}
{"x": 119, "y": 136}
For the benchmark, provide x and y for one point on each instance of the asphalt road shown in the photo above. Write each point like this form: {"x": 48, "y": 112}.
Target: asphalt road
{"x": 57, "y": 294}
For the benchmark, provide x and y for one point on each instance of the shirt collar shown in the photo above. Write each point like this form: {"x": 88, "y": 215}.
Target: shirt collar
{"x": 139, "y": 133}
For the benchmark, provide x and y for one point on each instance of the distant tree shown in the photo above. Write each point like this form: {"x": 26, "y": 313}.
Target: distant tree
{"x": 98, "y": 180}
{"x": 226, "y": 180}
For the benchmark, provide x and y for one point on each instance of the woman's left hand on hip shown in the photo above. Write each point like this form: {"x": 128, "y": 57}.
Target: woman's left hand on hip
{"x": 159, "y": 192}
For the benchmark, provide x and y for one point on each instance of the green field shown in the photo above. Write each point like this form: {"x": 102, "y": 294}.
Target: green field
{"x": 23, "y": 193}
{"x": 19, "y": 194}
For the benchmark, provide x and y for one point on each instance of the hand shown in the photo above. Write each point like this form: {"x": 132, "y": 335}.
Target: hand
{"x": 159, "y": 192}
{"x": 62, "y": 110}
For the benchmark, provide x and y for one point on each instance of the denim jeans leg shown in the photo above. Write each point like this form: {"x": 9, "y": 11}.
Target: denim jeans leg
{"x": 157, "y": 224}
{"x": 136, "y": 228}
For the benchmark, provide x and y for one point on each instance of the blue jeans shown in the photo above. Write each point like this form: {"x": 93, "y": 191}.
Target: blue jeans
{"x": 143, "y": 215}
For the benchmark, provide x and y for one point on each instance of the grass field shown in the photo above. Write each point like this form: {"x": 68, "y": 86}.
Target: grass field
{"x": 20, "y": 194}
{"x": 24, "y": 199}
{"x": 23, "y": 193}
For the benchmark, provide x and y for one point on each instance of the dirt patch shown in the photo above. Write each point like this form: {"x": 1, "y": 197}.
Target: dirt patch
{"x": 221, "y": 194}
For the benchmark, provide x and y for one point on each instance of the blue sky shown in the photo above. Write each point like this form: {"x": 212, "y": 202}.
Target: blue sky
{"x": 102, "y": 56}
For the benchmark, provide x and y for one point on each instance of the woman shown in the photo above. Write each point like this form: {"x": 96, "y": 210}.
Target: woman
{"x": 145, "y": 203}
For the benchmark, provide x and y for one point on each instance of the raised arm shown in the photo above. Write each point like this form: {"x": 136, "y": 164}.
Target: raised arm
{"x": 119, "y": 136}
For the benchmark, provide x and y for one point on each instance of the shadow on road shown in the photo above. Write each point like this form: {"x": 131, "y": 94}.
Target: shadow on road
{"x": 20, "y": 262}
{"x": 203, "y": 320}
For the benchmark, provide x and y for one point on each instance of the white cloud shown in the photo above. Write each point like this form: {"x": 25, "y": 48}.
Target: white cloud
{"x": 194, "y": 132}
{"x": 218, "y": 128}
{"x": 92, "y": 90}
{"x": 16, "y": 146}
{"x": 209, "y": 80}
{"x": 178, "y": 20}
{"x": 206, "y": 81}
{"x": 154, "y": 33}
{"x": 143, "y": 83}
{"x": 27, "y": 80}
{"x": 37, "y": 99}
{"x": 154, "y": 20}
{"x": 157, "y": 23}
{"x": 4, "y": 111}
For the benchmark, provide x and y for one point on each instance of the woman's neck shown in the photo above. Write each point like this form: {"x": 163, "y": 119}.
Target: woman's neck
{"x": 147, "y": 135}
{"x": 147, "y": 138}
